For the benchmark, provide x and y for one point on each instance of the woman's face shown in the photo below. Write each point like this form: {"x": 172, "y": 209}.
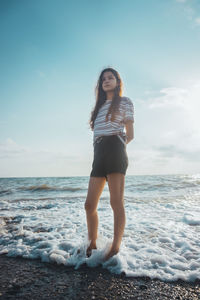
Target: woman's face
{"x": 109, "y": 81}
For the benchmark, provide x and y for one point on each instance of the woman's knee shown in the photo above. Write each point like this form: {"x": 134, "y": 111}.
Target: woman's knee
{"x": 117, "y": 205}
{"x": 89, "y": 207}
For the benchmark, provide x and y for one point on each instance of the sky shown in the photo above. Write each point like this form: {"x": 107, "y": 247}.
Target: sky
{"x": 51, "y": 56}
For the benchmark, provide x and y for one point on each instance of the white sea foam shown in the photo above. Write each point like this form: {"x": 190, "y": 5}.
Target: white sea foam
{"x": 161, "y": 238}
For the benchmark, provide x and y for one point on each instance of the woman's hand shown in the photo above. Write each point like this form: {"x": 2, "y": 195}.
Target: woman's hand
{"x": 129, "y": 131}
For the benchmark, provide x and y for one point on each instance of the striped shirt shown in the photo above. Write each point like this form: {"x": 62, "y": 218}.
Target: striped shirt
{"x": 125, "y": 113}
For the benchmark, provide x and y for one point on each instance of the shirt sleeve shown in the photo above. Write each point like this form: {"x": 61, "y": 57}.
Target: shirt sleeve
{"x": 129, "y": 111}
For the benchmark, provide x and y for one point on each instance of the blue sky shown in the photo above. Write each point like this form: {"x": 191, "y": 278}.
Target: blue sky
{"x": 52, "y": 53}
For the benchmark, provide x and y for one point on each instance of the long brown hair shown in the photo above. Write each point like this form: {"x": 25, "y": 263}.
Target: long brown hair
{"x": 101, "y": 97}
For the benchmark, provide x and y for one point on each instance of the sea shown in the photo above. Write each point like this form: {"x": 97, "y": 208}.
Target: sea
{"x": 44, "y": 218}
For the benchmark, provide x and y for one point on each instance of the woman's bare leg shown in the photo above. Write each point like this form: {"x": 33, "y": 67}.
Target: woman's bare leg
{"x": 95, "y": 188}
{"x": 116, "y": 186}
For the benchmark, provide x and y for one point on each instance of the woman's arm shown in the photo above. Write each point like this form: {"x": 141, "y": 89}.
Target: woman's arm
{"x": 129, "y": 131}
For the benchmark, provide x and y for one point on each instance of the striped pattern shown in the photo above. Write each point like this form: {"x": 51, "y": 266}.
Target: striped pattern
{"x": 125, "y": 113}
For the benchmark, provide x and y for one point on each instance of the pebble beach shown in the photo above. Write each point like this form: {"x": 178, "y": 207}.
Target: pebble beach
{"x": 32, "y": 279}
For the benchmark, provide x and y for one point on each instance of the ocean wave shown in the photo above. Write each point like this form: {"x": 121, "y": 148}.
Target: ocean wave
{"x": 6, "y": 192}
{"x": 43, "y": 187}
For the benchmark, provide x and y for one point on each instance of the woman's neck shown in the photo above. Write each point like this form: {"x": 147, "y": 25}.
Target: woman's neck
{"x": 109, "y": 95}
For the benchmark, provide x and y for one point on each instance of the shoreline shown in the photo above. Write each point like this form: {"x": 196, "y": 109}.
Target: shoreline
{"x": 22, "y": 278}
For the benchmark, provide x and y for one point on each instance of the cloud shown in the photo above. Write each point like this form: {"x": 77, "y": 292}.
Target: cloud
{"x": 18, "y": 160}
{"x": 170, "y": 151}
{"x": 167, "y": 131}
{"x": 170, "y": 97}
{"x": 180, "y": 110}
{"x": 197, "y": 21}
{"x": 10, "y": 148}
{"x": 190, "y": 11}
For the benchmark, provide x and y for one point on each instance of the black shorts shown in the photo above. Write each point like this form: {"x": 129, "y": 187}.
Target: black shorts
{"x": 109, "y": 156}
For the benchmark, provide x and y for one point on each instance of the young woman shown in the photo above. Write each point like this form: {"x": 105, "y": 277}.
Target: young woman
{"x": 111, "y": 114}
